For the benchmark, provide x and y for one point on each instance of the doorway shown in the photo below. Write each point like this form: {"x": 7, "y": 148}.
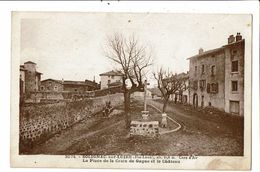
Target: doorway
{"x": 195, "y": 100}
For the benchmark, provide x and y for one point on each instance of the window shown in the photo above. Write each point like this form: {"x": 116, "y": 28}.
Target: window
{"x": 108, "y": 82}
{"x": 212, "y": 87}
{"x": 75, "y": 89}
{"x": 202, "y": 69}
{"x": 213, "y": 70}
{"x": 112, "y": 76}
{"x": 202, "y": 84}
{"x": 195, "y": 85}
{"x": 234, "y": 67}
{"x": 42, "y": 88}
{"x": 234, "y": 85}
{"x": 55, "y": 88}
{"x": 196, "y": 69}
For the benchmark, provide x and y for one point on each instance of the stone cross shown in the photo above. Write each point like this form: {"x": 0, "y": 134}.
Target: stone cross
{"x": 145, "y": 112}
{"x": 145, "y": 87}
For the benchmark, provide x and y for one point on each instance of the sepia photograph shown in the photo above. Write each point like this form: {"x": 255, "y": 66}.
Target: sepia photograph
{"x": 151, "y": 89}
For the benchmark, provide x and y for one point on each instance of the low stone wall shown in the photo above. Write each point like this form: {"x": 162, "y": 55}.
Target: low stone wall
{"x": 43, "y": 96}
{"x": 40, "y": 96}
{"x": 39, "y": 122}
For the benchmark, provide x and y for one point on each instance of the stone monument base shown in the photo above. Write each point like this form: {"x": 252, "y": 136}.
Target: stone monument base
{"x": 144, "y": 128}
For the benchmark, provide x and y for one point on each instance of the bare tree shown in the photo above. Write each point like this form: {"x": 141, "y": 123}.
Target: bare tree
{"x": 133, "y": 60}
{"x": 169, "y": 83}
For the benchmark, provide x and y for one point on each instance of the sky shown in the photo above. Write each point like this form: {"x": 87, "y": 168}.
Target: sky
{"x": 71, "y": 45}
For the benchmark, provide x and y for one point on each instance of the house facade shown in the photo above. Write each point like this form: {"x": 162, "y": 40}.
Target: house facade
{"x": 234, "y": 75}
{"x": 216, "y": 77}
{"x": 111, "y": 78}
{"x": 53, "y": 85}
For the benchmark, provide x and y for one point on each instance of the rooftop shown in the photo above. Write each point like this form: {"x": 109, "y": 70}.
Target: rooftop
{"x": 66, "y": 82}
{"x": 22, "y": 67}
{"x": 111, "y": 73}
{"x": 216, "y": 49}
{"x": 207, "y": 52}
{"x": 29, "y": 62}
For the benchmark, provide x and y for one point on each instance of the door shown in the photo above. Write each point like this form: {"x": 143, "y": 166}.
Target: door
{"x": 195, "y": 100}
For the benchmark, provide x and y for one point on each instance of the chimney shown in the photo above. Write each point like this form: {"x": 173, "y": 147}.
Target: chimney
{"x": 231, "y": 39}
{"x": 62, "y": 80}
{"x": 200, "y": 51}
{"x": 94, "y": 79}
{"x": 238, "y": 37}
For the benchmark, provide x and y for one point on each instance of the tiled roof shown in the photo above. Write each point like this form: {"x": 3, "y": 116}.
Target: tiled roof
{"x": 208, "y": 52}
{"x": 74, "y": 83}
{"x": 29, "y": 62}
{"x": 66, "y": 82}
{"x": 111, "y": 73}
{"x": 55, "y": 80}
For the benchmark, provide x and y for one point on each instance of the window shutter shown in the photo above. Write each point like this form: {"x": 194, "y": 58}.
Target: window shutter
{"x": 216, "y": 87}
{"x": 208, "y": 87}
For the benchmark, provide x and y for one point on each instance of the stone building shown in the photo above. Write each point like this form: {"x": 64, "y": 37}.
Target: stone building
{"x": 30, "y": 78}
{"x": 111, "y": 78}
{"x": 217, "y": 77}
{"x": 53, "y": 85}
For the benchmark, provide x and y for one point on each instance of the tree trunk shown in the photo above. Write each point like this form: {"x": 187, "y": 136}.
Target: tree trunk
{"x": 127, "y": 108}
{"x": 165, "y": 105}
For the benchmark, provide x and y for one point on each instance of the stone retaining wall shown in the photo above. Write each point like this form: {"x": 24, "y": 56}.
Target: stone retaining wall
{"x": 39, "y": 122}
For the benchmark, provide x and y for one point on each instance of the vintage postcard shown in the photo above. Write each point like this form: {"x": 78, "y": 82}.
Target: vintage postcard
{"x": 131, "y": 90}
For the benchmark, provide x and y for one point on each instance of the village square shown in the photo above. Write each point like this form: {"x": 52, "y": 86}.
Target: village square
{"x": 196, "y": 112}
{"x": 132, "y": 86}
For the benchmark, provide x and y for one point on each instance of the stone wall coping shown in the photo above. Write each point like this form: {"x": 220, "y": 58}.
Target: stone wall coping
{"x": 145, "y": 122}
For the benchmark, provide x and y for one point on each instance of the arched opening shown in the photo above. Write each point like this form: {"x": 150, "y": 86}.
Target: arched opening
{"x": 195, "y": 100}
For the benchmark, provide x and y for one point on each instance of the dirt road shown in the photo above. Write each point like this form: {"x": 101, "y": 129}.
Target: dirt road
{"x": 206, "y": 134}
